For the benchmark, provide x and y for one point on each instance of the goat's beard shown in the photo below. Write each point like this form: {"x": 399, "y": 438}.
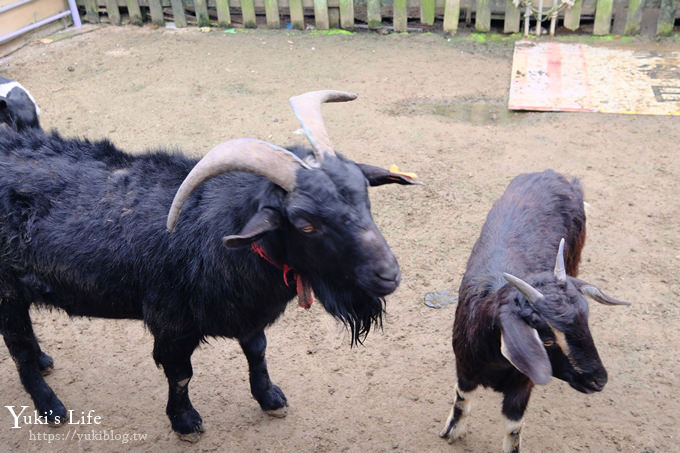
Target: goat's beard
{"x": 358, "y": 310}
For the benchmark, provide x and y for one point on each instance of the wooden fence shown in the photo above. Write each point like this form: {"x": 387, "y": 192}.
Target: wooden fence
{"x": 628, "y": 16}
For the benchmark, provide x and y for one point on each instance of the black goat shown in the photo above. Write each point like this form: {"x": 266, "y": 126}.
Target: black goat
{"x": 510, "y": 334}
{"x": 83, "y": 228}
{"x": 18, "y": 109}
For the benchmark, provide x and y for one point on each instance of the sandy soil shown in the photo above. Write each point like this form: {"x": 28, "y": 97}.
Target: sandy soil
{"x": 147, "y": 88}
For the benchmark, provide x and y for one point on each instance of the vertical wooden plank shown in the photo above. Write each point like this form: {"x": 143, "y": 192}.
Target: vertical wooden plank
{"x": 134, "y": 12}
{"x": 666, "y": 17}
{"x": 634, "y": 17}
{"x": 572, "y": 16}
{"x": 399, "y": 16}
{"x": 271, "y": 10}
{"x": 603, "y": 17}
{"x": 451, "y": 16}
{"x": 483, "y": 16}
{"x": 297, "y": 15}
{"x": 202, "y": 17}
{"x": 347, "y": 14}
{"x": 156, "y": 11}
{"x": 427, "y": 12}
{"x": 248, "y": 12}
{"x": 91, "y": 11}
{"x": 321, "y": 14}
{"x": 512, "y": 18}
{"x": 223, "y": 14}
{"x": 178, "y": 16}
{"x": 374, "y": 15}
{"x": 113, "y": 12}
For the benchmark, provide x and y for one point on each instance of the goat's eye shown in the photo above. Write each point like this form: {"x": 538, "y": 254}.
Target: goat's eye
{"x": 307, "y": 229}
{"x": 548, "y": 342}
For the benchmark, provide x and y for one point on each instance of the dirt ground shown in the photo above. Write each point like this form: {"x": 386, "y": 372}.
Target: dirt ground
{"x": 434, "y": 107}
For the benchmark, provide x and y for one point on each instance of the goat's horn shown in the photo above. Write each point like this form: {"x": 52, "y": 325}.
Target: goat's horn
{"x": 560, "y": 268}
{"x": 594, "y": 293}
{"x": 244, "y": 154}
{"x": 531, "y": 293}
{"x": 307, "y": 109}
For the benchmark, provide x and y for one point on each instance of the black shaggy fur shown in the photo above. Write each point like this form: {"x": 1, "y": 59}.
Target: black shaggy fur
{"x": 82, "y": 228}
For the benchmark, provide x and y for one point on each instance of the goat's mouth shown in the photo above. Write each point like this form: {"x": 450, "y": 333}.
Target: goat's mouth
{"x": 379, "y": 283}
{"x": 588, "y": 384}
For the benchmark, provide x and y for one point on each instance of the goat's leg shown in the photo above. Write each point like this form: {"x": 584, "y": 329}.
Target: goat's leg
{"x": 271, "y": 398}
{"x": 454, "y": 427}
{"x": 174, "y": 354}
{"x": 515, "y": 401}
{"x": 31, "y": 362}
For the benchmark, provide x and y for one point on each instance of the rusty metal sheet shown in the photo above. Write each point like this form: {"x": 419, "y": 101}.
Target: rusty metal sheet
{"x": 552, "y": 76}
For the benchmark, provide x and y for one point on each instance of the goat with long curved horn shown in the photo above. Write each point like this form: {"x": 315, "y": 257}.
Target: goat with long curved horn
{"x": 307, "y": 109}
{"x": 244, "y": 154}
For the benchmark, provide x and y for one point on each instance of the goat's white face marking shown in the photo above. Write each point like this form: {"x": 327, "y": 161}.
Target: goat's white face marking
{"x": 561, "y": 340}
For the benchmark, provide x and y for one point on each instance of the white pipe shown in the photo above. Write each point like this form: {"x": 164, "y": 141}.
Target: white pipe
{"x": 76, "y": 16}
{"x": 527, "y": 17}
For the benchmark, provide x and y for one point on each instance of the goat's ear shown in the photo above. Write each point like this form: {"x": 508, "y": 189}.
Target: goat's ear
{"x": 264, "y": 221}
{"x": 377, "y": 176}
{"x": 523, "y": 348}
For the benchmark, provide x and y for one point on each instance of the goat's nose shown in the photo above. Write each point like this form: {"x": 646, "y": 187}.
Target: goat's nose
{"x": 390, "y": 274}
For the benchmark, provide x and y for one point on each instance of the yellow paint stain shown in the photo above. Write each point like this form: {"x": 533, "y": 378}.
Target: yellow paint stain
{"x": 395, "y": 171}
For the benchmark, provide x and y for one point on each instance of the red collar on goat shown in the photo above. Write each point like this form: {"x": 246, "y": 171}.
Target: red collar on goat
{"x": 303, "y": 288}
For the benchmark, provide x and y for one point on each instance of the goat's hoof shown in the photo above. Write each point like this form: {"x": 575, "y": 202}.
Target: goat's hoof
{"x": 277, "y": 413}
{"x": 188, "y": 425}
{"x": 273, "y": 401}
{"x": 45, "y": 364}
{"x": 53, "y": 410}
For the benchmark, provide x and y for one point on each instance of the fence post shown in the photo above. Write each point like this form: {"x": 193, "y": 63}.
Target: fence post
{"x": 400, "y": 15}
{"x": 512, "y": 18}
{"x": 634, "y": 17}
{"x": 666, "y": 18}
{"x": 603, "y": 17}
{"x": 347, "y": 14}
{"x": 374, "y": 14}
{"x": 223, "y": 14}
{"x": 113, "y": 12}
{"x": 451, "y": 16}
{"x": 572, "y": 16}
{"x": 156, "y": 11}
{"x": 248, "y": 13}
{"x": 271, "y": 11}
{"x": 134, "y": 12}
{"x": 91, "y": 11}
{"x": 483, "y": 16}
{"x": 427, "y": 12}
{"x": 297, "y": 15}
{"x": 321, "y": 14}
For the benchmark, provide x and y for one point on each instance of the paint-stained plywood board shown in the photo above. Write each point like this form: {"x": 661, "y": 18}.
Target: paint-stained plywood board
{"x": 554, "y": 76}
